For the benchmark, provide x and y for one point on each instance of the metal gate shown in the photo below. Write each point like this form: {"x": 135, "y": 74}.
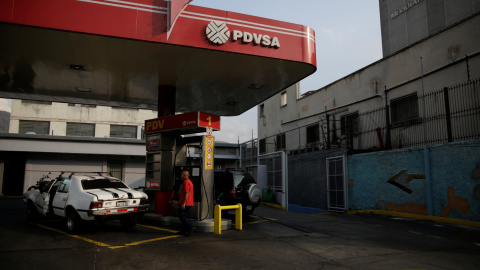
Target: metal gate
{"x": 115, "y": 169}
{"x": 277, "y": 174}
{"x": 337, "y": 196}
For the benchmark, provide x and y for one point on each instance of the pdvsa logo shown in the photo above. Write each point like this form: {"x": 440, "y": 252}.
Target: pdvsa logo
{"x": 218, "y": 33}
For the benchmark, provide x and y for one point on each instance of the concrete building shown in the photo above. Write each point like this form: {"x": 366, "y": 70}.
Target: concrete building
{"x": 424, "y": 92}
{"x": 406, "y": 22}
{"x": 349, "y": 111}
{"x": 51, "y": 137}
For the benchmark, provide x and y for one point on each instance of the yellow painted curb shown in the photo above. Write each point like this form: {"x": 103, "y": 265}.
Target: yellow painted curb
{"x": 456, "y": 221}
{"x": 273, "y": 205}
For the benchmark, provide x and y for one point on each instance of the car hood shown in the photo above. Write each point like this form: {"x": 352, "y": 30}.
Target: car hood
{"x": 106, "y": 194}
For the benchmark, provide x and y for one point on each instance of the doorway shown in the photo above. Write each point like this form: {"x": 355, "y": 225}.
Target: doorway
{"x": 14, "y": 173}
{"x": 336, "y": 184}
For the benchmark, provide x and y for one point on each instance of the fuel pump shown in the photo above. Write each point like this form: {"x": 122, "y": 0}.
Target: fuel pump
{"x": 164, "y": 142}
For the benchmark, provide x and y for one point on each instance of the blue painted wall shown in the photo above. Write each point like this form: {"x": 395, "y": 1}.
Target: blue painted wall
{"x": 454, "y": 172}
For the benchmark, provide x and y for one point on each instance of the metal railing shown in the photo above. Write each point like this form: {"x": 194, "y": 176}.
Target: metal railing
{"x": 451, "y": 114}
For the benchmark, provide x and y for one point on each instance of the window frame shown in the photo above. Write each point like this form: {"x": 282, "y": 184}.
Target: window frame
{"x": 280, "y": 142}
{"x": 316, "y": 133}
{"x": 262, "y": 144}
{"x": 123, "y": 131}
{"x": 398, "y": 107}
{"x": 352, "y": 126}
{"x": 283, "y": 99}
{"x": 81, "y": 130}
{"x": 45, "y": 130}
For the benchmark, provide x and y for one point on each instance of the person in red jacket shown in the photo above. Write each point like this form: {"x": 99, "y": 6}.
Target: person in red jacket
{"x": 185, "y": 202}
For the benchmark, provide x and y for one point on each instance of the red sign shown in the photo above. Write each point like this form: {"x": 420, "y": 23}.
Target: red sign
{"x": 153, "y": 184}
{"x": 148, "y": 20}
{"x": 183, "y": 122}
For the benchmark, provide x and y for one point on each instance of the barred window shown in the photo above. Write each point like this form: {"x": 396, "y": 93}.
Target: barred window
{"x": 404, "y": 109}
{"x": 280, "y": 143}
{"x": 349, "y": 124}
{"x": 313, "y": 133}
{"x": 34, "y": 127}
{"x": 81, "y": 129}
{"x": 121, "y": 131}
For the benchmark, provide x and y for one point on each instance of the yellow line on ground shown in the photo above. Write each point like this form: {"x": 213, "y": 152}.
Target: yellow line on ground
{"x": 157, "y": 228}
{"x": 255, "y": 222}
{"x": 152, "y": 240}
{"x": 478, "y": 244}
{"x": 73, "y": 235}
{"x": 115, "y": 247}
{"x": 414, "y": 232}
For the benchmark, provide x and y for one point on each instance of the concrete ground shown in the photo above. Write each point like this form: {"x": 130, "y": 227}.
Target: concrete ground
{"x": 271, "y": 239}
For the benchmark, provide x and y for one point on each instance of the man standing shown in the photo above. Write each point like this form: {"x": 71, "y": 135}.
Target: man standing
{"x": 185, "y": 202}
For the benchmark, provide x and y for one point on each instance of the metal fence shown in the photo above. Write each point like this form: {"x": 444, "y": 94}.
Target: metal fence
{"x": 451, "y": 114}
{"x": 276, "y": 170}
{"x": 248, "y": 153}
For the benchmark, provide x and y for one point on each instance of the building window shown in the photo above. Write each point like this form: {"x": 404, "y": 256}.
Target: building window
{"x": 81, "y": 129}
{"x": 284, "y": 99}
{"x": 261, "y": 112}
{"x": 349, "y": 124}
{"x": 404, "y": 110}
{"x": 34, "y": 127}
{"x": 313, "y": 133}
{"x": 120, "y": 131}
{"x": 115, "y": 169}
{"x": 263, "y": 146}
{"x": 280, "y": 143}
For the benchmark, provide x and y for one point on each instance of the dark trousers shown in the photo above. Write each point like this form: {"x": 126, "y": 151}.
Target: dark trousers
{"x": 183, "y": 216}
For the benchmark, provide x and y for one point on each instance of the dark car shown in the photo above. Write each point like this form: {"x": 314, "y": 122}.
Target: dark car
{"x": 232, "y": 187}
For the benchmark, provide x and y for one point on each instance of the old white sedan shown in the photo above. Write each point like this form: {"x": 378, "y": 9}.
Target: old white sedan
{"x": 85, "y": 197}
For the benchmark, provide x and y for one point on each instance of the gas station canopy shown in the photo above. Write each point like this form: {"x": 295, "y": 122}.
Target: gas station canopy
{"x": 121, "y": 53}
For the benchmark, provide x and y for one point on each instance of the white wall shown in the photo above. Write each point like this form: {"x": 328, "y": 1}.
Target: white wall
{"x": 39, "y": 164}
{"x": 60, "y": 113}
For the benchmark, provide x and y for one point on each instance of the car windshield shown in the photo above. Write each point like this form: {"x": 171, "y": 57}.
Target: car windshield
{"x": 243, "y": 179}
{"x": 102, "y": 183}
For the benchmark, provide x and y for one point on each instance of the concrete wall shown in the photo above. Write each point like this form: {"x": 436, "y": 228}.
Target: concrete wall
{"x": 455, "y": 176}
{"x": 404, "y": 22}
{"x": 58, "y": 114}
{"x": 39, "y": 164}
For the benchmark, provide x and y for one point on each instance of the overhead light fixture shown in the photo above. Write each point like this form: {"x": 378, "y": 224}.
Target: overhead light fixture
{"x": 81, "y": 89}
{"x": 77, "y": 67}
{"x": 256, "y": 86}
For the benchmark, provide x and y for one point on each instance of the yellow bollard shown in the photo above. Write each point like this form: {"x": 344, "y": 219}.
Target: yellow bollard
{"x": 217, "y": 222}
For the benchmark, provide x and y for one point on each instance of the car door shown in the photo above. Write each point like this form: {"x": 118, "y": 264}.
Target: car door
{"x": 61, "y": 197}
{"x": 43, "y": 200}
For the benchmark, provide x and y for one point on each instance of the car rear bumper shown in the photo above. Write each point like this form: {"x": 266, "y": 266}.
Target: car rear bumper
{"x": 118, "y": 211}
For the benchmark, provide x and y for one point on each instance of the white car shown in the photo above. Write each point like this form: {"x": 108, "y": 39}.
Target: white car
{"x": 85, "y": 197}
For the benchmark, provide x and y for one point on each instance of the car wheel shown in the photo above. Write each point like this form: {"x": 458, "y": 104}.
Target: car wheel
{"x": 32, "y": 213}
{"x": 253, "y": 193}
{"x": 73, "y": 221}
{"x": 128, "y": 223}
